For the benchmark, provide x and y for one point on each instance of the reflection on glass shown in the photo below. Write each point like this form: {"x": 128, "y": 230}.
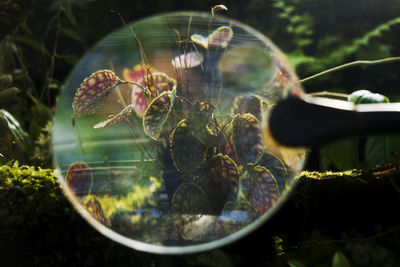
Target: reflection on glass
{"x": 158, "y": 136}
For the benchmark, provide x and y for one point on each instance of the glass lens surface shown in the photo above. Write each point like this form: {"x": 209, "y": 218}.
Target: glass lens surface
{"x": 158, "y": 134}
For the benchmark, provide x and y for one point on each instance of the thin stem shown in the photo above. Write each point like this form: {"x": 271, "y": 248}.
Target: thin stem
{"x": 329, "y": 94}
{"x": 349, "y": 65}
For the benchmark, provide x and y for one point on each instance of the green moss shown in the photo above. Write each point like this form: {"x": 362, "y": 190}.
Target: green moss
{"x": 39, "y": 227}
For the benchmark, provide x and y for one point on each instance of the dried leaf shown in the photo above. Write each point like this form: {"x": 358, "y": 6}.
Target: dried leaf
{"x": 157, "y": 113}
{"x": 247, "y": 138}
{"x": 93, "y": 91}
{"x": 79, "y": 178}
{"x": 114, "y": 119}
{"x": 187, "y": 151}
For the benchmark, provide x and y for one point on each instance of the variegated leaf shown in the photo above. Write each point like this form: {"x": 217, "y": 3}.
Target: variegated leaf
{"x": 79, "y": 178}
{"x": 148, "y": 88}
{"x": 93, "y": 206}
{"x": 93, "y": 91}
{"x": 198, "y": 121}
{"x": 187, "y": 151}
{"x": 264, "y": 191}
{"x": 114, "y": 119}
{"x": 157, "y": 113}
{"x": 190, "y": 207}
{"x": 247, "y": 138}
{"x": 221, "y": 180}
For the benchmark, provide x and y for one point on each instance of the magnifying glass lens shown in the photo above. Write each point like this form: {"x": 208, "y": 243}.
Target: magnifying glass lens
{"x": 158, "y": 135}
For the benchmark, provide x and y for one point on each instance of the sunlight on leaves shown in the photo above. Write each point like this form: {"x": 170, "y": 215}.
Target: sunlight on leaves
{"x": 93, "y": 91}
{"x": 157, "y": 113}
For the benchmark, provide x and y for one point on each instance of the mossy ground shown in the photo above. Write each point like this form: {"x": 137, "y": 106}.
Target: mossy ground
{"x": 352, "y": 212}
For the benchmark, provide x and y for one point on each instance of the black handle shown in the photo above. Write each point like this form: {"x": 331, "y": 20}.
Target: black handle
{"x": 308, "y": 121}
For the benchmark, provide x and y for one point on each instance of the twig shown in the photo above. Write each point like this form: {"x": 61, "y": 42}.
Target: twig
{"x": 349, "y": 65}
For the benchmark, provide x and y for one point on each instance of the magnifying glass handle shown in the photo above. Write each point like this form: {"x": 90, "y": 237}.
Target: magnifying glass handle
{"x": 307, "y": 121}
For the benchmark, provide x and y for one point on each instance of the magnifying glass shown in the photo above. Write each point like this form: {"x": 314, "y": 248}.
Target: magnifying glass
{"x": 171, "y": 135}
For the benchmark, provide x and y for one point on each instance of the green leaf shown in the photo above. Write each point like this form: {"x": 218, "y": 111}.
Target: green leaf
{"x": 33, "y": 44}
{"x": 341, "y": 154}
{"x": 17, "y": 131}
{"x": 343, "y": 51}
{"x": 382, "y": 149}
{"x": 72, "y": 34}
{"x": 244, "y": 67}
{"x": 157, "y": 113}
{"x": 295, "y": 263}
{"x": 187, "y": 152}
{"x": 66, "y": 7}
{"x": 340, "y": 260}
{"x": 365, "y": 96}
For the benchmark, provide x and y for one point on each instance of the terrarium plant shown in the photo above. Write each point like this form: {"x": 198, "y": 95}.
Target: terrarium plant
{"x": 197, "y": 120}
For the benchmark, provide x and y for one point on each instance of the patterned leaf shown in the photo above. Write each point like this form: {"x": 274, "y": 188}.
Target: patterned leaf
{"x": 93, "y": 91}
{"x": 198, "y": 121}
{"x": 93, "y": 206}
{"x": 221, "y": 180}
{"x": 247, "y": 138}
{"x": 264, "y": 191}
{"x": 187, "y": 151}
{"x": 187, "y": 60}
{"x": 114, "y": 119}
{"x": 220, "y": 37}
{"x": 249, "y": 103}
{"x": 79, "y": 178}
{"x": 157, "y": 113}
{"x": 189, "y": 206}
{"x": 148, "y": 88}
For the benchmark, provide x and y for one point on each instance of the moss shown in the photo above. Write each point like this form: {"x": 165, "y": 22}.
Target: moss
{"x": 39, "y": 227}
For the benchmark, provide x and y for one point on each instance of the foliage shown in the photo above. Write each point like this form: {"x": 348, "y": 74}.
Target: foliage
{"x": 364, "y": 151}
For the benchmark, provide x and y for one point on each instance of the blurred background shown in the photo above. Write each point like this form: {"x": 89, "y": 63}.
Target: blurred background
{"x": 42, "y": 40}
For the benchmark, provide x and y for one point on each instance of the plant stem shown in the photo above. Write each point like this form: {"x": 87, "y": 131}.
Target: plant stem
{"x": 351, "y": 64}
